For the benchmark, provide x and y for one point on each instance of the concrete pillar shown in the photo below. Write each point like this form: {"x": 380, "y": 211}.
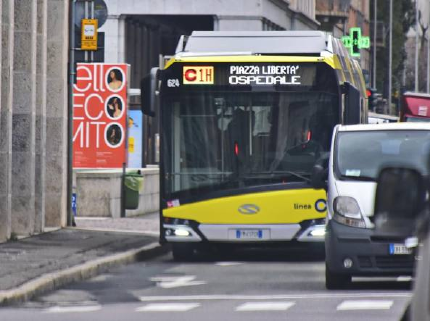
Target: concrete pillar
{"x": 139, "y": 61}
{"x": 42, "y": 10}
{"x": 6, "y": 80}
{"x": 24, "y": 117}
{"x": 114, "y": 29}
{"x": 56, "y": 114}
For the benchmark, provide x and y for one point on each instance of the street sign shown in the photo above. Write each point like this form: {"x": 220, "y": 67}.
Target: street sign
{"x": 89, "y": 34}
{"x": 100, "y": 12}
{"x": 355, "y": 41}
{"x": 74, "y": 204}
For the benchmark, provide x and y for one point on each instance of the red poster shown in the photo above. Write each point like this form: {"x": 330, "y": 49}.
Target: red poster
{"x": 99, "y": 116}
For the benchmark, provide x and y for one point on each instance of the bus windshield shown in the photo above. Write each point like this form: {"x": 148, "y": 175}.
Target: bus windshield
{"x": 217, "y": 140}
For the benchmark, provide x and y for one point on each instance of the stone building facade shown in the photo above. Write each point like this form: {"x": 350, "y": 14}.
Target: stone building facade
{"x": 33, "y": 116}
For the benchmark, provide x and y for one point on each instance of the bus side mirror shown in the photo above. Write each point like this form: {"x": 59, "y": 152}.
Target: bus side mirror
{"x": 319, "y": 177}
{"x": 352, "y": 111}
{"x": 149, "y": 92}
{"x": 319, "y": 174}
{"x": 400, "y": 199}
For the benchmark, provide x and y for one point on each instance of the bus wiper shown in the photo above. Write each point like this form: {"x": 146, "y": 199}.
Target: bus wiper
{"x": 298, "y": 175}
{"x": 359, "y": 178}
{"x": 307, "y": 179}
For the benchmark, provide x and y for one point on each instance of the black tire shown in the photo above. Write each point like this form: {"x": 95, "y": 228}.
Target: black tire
{"x": 336, "y": 281}
{"x": 183, "y": 252}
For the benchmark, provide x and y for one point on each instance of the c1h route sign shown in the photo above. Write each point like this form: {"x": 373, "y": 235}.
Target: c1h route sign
{"x": 355, "y": 41}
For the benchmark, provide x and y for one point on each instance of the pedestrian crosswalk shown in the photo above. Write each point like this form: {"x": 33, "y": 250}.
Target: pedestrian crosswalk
{"x": 250, "y": 306}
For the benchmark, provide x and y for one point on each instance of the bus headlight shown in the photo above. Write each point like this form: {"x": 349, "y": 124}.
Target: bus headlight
{"x": 347, "y": 212}
{"x": 182, "y": 232}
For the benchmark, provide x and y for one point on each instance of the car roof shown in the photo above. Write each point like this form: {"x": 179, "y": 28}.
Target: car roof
{"x": 385, "y": 126}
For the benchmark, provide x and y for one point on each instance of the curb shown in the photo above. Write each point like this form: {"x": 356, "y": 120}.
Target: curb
{"x": 76, "y": 273}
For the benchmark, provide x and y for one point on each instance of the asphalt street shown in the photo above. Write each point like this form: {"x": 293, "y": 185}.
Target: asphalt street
{"x": 245, "y": 285}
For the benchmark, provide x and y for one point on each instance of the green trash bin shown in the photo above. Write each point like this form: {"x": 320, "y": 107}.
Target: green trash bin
{"x": 133, "y": 182}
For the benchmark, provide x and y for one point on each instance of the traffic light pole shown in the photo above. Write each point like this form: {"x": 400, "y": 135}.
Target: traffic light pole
{"x": 390, "y": 59}
{"x": 375, "y": 21}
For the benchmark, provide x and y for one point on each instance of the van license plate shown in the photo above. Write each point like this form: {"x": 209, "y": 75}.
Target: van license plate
{"x": 249, "y": 234}
{"x": 399, "y": 249}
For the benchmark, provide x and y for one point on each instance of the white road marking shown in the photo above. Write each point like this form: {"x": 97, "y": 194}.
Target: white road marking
{"x": 228, "y": 263}
{"x": 204, "y": 297}
{"x": 168, "y": 307}
{"x": 89, "y": 218}
{"x": 265, "y": 306}
{"x": 404, "y": 279}
{"x": 169, "y": 282}
{"x": 73, "y": 309}
{"x": 365, "y": 305}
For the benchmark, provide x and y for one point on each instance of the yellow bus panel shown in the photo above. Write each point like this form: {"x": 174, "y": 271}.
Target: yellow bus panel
{"x": 272, "y": 207}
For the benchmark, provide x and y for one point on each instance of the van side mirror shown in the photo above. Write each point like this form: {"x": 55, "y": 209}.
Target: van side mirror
{"x": 352, "y": 111}
{"x": 149, "y": 92}
{"x": 400, "y": 199}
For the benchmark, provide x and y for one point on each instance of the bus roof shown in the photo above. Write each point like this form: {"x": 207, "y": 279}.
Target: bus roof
{"x": 256, "y": 42}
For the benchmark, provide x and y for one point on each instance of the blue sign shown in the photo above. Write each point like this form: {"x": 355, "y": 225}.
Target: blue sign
{"x": 135, "y": 136}
{"x": 74, "y": 204}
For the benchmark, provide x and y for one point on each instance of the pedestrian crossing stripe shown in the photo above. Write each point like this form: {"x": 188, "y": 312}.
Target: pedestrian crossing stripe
{"x": 364, "y": 305}
{"x": 265, "y": 306}
{"x": 168, "y": 307}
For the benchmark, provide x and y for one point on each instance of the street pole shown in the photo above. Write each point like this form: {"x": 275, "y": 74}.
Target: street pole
{"x": 375, "y": 20}
{"x": 428, "y": 62}
{"x": 416, "y": 44}
{"x": 390, "y": 58}
{"x": 428, "y": 50}
{"x": 70, "y": 113}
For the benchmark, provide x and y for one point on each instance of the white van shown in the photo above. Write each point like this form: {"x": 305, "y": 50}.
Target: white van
{"x": 358, "y": 152}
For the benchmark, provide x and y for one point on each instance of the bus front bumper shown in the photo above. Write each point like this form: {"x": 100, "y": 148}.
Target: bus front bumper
{"x": 244, "y": 233}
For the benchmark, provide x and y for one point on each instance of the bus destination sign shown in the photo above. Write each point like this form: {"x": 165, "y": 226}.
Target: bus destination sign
{"x": 264, "y": 75}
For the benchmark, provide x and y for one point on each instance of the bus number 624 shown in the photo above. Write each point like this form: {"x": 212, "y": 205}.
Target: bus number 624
{"x": 173, "y": 83}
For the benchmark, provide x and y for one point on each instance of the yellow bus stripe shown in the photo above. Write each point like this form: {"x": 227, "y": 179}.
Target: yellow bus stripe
{"x": 232, "y": 59}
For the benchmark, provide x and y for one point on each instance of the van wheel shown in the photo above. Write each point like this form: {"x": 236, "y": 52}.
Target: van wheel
{"x": 336, "y": 281}
{"x": 183, "y": 252}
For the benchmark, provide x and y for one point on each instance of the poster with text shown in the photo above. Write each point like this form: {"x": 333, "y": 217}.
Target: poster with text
{"x": 135, "y": 132}
{"x": 100, "y": 116}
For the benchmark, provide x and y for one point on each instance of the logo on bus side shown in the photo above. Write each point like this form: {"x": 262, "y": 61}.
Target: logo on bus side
{"x": 249, "y": 209}
{"x": 321, "y": 205}
{"x": 198, "y": 75}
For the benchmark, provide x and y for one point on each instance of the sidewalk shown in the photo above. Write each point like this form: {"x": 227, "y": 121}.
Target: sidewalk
{"x": 47, "y": 261}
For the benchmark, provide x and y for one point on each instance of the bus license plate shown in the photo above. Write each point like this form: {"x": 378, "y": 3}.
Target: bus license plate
{"x": 249, "y": 234}
{"x": 399, "y": 249}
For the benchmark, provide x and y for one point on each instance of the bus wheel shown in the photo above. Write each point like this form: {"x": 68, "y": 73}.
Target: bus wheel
{"x": 336, "y": 281}
{"x": 183, "y": 251}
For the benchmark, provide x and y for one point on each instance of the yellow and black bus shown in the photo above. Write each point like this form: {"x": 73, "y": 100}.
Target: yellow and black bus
{"x": 244, "y": 117}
